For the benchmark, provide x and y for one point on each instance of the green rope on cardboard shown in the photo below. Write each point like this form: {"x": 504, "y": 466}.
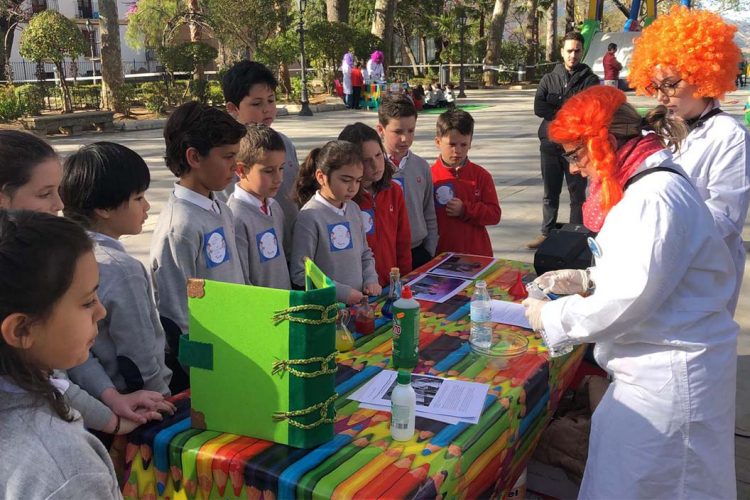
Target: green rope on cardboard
{"x": 280, "y": 416}
{"x": 285, "y": 314}
{"x": 284, "y": 365}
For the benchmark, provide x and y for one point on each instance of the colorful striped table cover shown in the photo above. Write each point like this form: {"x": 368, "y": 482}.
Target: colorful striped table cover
{"x": 169, "y": 459}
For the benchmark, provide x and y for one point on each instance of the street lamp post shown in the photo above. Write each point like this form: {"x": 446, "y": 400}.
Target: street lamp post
{"x": 461, "y": 84}
{"x": 92, "y": 40}
{"x": 305, "y": 109}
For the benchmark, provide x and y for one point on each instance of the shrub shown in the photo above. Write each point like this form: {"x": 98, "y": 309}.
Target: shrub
{"x": 155, "y": 96}
{"x": 32, "y": 95}
{"x": 214, "y": 94}
{"x": 11, "y": 107}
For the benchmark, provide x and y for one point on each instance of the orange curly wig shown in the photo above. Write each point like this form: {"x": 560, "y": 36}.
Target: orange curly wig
{"x": 584, "y": 119}
{"x": 697, "y": 43}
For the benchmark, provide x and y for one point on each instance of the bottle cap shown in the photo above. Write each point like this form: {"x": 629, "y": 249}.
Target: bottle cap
{"x": 406, "y": 292}
{"x": 404, "y": 377}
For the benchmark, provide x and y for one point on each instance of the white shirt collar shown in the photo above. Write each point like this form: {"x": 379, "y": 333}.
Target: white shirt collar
{"x": 402, "y": 163}
{"x": 107, "y": 241}
{"x": 191, "y": 196}
{"x": 251, "y": 199}
{"x": 341, "y": 211}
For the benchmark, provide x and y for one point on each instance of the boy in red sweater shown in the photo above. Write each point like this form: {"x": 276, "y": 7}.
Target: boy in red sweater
{"x": 465, "y": 196}
{"x": 381, "y": 204}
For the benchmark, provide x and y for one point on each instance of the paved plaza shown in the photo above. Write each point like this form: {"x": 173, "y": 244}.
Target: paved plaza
{"x": 505, "y": 143}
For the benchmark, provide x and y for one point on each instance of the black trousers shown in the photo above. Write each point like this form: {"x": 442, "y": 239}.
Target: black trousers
{"x": 356, "y": 96}
{"x": 554, "y": 170}
{"x": 420, "y": 256}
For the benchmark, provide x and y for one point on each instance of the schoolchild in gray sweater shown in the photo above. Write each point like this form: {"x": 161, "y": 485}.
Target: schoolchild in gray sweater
{"x": 103, "y": 188}
{"x": 397, "y": 120}
{"x": 329, "y": 227}
{"x": 48, "y": 318}
{"x": 258, "y": 218}
{"x": 194, "y": 237}
{"x": 250, "y": 92}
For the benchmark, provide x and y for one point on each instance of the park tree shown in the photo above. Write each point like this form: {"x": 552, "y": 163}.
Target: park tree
{"x": 147, "y": 20}
{"x": 11, "y": 14}
{"x": 241, "y": 25}
{"x": 382, "y": 26}
{"x": 495, "y": 38}
{"x": 52, "y": 37}
{"x": 113, "y": 97}
{"x": 337, "y": 11}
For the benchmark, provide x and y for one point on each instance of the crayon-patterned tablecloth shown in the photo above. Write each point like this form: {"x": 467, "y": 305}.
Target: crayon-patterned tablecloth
{"x": 169, "y": 459}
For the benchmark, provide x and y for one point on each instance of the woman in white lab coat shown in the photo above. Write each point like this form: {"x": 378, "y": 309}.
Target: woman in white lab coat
{"x": 655, "y": 304}
{"x": 716, "y": 154}
{"x": 347, "y": 63}
{"x": 375, "y": 71}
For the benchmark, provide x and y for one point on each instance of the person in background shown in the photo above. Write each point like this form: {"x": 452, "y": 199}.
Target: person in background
{"x": 358, "y": 82}
{"x": 375, "y": 71}
{"x": 612, "y": 67}
{"x": 450, "y": 96}
{"x": 347, "y": 65}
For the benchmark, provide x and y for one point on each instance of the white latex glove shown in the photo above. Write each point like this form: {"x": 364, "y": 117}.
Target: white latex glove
{"x": 564, "y": 281}
{"x": 534, "y": 312}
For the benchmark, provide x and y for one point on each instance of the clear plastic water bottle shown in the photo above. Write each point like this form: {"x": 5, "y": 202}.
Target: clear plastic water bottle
{"x": 481, "y": 315}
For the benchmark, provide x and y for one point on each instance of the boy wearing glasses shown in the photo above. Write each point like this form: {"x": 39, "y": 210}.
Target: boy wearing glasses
{"x": 567, "y": 79}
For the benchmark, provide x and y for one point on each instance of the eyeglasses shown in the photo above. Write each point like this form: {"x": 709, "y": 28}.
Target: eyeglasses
{"x": 572, "y": 156}
{"x": 669, "y": 89}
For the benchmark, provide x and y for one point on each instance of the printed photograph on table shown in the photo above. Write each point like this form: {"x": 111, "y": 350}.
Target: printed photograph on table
{"x": 463, "y": 266}
{"x": 425, "y": 387}
{"x": 434, "y": 288}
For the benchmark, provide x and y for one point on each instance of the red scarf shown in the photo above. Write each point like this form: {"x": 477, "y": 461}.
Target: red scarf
{"x": 629, "y": 157}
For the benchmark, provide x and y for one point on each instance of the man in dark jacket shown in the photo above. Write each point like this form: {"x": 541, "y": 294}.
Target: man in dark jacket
{"x": 565, "y": 80}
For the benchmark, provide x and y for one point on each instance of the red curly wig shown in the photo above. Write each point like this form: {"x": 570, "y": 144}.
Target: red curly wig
{"x": 697, "y": 43}
{"x": 584, "y": 119}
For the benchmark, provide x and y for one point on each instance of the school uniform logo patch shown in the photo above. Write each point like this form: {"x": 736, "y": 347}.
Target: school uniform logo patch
{"x": 268, "y": 245}
{"x": 443, "y": 194}
{"x": 215, "y": 248}
{"x": 401, "y": 183}
{"x": 596, "y": 250}
{"x": 340, "y": 236}
{"x": 368, "y": 220}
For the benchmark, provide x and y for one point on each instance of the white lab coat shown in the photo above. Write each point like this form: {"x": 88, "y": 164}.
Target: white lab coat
{"x": 346, "y": 71}
{"x": 375, "y": 71}
{"x": 716, "y": 156}
{"x": 659, "y": 318}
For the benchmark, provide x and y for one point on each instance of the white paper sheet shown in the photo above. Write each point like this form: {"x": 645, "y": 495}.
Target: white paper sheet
{"x": 509, "y": 313}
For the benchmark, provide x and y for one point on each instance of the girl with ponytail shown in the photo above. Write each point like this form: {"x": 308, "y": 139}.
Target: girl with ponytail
{"x": 655, "y": 304}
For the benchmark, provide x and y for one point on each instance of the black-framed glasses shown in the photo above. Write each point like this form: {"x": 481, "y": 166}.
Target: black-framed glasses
{"x": 572, "y": 156}
{"x": 669, "y": 89}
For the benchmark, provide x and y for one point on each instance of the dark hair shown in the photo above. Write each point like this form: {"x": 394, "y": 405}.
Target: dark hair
{"x": 359, "y": 133}
{"x": 258, "y": 140}
{"x": 20, "y": 153}
{"x": 329, "y": 158}
{"x": 627, "y": 123}
{"x": 38, "y": 256}
{"x": 195, "y": 125}
{"x": 612, "y": 46}
{"x": 573, "y": 35}
{"x": 455, "y": 119}
{"x": 395, "y": 106}
{"x": 241, "y": 77}
{"x": 101, "y": 175}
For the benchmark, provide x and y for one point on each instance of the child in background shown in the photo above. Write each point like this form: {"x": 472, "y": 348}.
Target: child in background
{"x": 450, "y": 96}
{"x": 397, "y": 119}
{"x": 103, "y": 189}
{"x": 465, "y": 197}
{"x": 358, "y": 82}
{"x": 439, "y": 96}
{"x": 48, "y": 312}
{"x": 250, "y": 91}
{"x": 381, "y": 203}
{"x": 194, "y": 237}
{"x": 329, "y": 226}
{"x": 30, "y": 176}
{"x": 258, "y": 219}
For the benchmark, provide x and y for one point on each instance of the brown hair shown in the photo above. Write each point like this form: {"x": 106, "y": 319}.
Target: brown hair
{"x": 259, "y": 140}
{"x": 395, "y": 106}
{"x": 359, "y": 133}
{"x": 455, "y": 119}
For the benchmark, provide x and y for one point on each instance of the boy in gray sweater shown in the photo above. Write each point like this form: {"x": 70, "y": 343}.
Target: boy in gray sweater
{"x": 194, "y": 237}
{"x": 258, "y": 218}
{"x": 103, "y": 188}
{"x": 397, "y": 120}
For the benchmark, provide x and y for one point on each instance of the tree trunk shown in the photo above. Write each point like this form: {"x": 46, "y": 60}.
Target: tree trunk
{"x": 112, "y": 78}
{"x": 196, "y": 33}
{"x": 495, "y": 38}
{"x": 410, "y": 55}
{"x": 382, "y": 26}
{"x": 337, "y": 11}
{"x": 550, "y": 48}
{"x": 570, "y": 15}
{"x": 423, "y": 54}
{"x": 67, "y": 101}
{"x": 531, "y": 34}
{"x": 285, "y": 79}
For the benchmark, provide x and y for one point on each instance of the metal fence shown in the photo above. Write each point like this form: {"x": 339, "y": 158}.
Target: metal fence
{"x": 30, "y": 71}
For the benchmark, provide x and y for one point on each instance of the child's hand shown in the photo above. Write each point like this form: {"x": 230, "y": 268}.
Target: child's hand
{"x": 372, "y": 289}
{"x": 355, "y": 297}
{"x": 454, "y": 208}
{"x": 125, "y": 405}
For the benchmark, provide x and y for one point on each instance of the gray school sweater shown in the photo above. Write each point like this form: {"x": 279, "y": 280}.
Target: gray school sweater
{"x": 190, "y": 242}
{"x": 337, "y": 244}
{"x": 96, "y": 415}
{"x": 260, "y": 243}
{"x": 416, "y": 180}
{"x": 129, "y": 351}
{"x": 47, "y": 457}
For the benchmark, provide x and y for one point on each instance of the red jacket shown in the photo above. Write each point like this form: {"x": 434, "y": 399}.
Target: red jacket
{"x": 389, "y": 234}
{"x": 612, "y": 67}
{"x": 357, "y": 79}
{"x": 474, "y": 186}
